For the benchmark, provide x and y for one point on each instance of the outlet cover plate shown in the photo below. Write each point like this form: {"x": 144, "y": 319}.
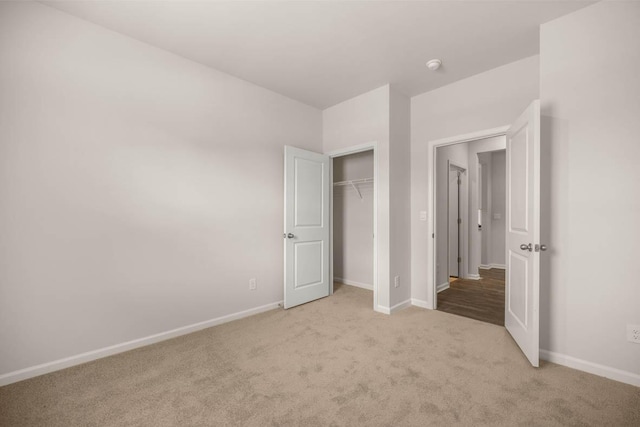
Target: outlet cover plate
{"x": 633, "y": 333}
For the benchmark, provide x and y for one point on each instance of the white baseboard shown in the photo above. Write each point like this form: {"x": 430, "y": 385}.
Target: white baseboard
{"x": 79, "y": 359}
{"x": 401, "y": 306}
{"x": 394, "y": 309}
{"x": 473, "y": 277}
{"x": 353, "y": 283}
{"x": 442, "y": 286}
{"x": 382, "y": 309}
{"x": 420, "y": 303}
{"x": 490, "y": 266}
{"x": 590, "y": 367}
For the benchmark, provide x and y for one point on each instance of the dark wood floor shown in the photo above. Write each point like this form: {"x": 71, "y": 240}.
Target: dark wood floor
{"x": 478, "y": 299}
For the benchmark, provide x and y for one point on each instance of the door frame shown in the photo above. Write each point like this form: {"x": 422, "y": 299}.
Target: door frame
{"x": 463, "y": 211}
{"x": 431, "y": 149}
{"x": 367, "y": 146}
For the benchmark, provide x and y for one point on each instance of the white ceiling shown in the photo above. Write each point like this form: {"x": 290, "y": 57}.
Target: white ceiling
{"x": 322, "y": 53}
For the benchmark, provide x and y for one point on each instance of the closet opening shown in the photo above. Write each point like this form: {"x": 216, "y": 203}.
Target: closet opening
{"x": 354, "y": 222}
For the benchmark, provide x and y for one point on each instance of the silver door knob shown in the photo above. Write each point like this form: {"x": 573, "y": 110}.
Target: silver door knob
{"x": 543, "y": 248}
{"x": 290, "y": 236}
{"x": 526, "y": 247}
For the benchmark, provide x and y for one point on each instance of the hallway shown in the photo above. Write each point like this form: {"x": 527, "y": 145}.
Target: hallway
{"x": 477, "y": 299}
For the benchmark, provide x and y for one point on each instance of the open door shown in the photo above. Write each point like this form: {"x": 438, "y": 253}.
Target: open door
{"x": 306, "y": 226}
{"x": 454, "y": 222}
{"x": 522, "y": 285}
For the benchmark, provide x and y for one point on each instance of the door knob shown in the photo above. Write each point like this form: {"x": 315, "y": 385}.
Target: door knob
{"x": 526, "y": 247}
{"x": 540, "y": 248}
{"x": 290, "y": 236}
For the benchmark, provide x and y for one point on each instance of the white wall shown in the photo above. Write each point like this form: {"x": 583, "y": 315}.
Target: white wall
{"x": 353, "y": 166}
{"x": 488, "y": 100}
{"x": 139, "y": 191}
{"x": 590, "y": 98}
{"x": 364, "y": 118}
{"x": 494, "y": 188}
{"x": 357, "y": 121}
{"x": 485, "y": 161}
{"x": 486, "y": 145}
{"x": 381, "y": 115}
{"x": 400, "y": 195}
{"x": 497, "y": 248}
{"x": 353, "y": 220}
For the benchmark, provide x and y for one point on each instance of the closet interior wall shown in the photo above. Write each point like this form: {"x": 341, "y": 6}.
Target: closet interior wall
{"x": 353, "y": 219}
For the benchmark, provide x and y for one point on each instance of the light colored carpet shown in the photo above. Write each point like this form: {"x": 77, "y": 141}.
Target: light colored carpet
{"x": 330, "y": 362}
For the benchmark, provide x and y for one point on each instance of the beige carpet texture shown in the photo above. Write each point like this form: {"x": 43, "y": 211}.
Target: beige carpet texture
{"x": 332, "y": 362}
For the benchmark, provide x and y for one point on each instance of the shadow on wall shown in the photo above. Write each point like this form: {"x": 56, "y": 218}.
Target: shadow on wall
{"x": 551, "y": 129}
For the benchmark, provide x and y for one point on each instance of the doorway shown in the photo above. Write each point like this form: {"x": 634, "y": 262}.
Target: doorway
{"x": 470, "y": 203}
{"x": 456, "y": 210}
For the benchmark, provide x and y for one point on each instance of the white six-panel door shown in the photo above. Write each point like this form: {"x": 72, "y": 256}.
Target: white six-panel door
{"x": 523, "y": 232}
{"x": 306, "y": 226}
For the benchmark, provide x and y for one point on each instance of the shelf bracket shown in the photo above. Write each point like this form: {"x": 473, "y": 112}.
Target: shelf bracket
{"x": 356, "y": 188}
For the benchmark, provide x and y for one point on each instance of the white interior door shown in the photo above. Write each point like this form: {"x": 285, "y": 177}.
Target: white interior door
{"x": 523, "y": 232}
{"x": 454, "y": 228}
{"x": 306, "y": 226}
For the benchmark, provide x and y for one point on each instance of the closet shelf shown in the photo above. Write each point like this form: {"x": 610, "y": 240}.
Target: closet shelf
{"x": 353, "y": 184}
{"x": 353, "y": 181}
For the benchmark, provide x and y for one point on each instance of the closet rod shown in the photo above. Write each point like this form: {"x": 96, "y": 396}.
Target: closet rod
{"x": 354, "y": 181}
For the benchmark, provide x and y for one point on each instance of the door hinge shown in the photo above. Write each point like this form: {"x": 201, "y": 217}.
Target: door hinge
{"x": 459, "y": 220}
{"x": 459, "y": 182}
{"x": 459, "y": 259}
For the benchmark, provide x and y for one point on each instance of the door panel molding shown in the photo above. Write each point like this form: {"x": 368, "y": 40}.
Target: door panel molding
{"x": 519, "y": 313}
{"x": 523, "y": 218}
{"x": 306, "y": 226}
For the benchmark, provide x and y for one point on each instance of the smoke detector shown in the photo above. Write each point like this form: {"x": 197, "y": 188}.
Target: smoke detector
{"x": 434, "y": 64}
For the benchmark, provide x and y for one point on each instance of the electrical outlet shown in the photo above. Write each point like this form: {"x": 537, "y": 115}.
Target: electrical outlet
{"x": 396, "y": 281}
{"x": 253, "y": 284}
{"x": 633, "y": 333}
